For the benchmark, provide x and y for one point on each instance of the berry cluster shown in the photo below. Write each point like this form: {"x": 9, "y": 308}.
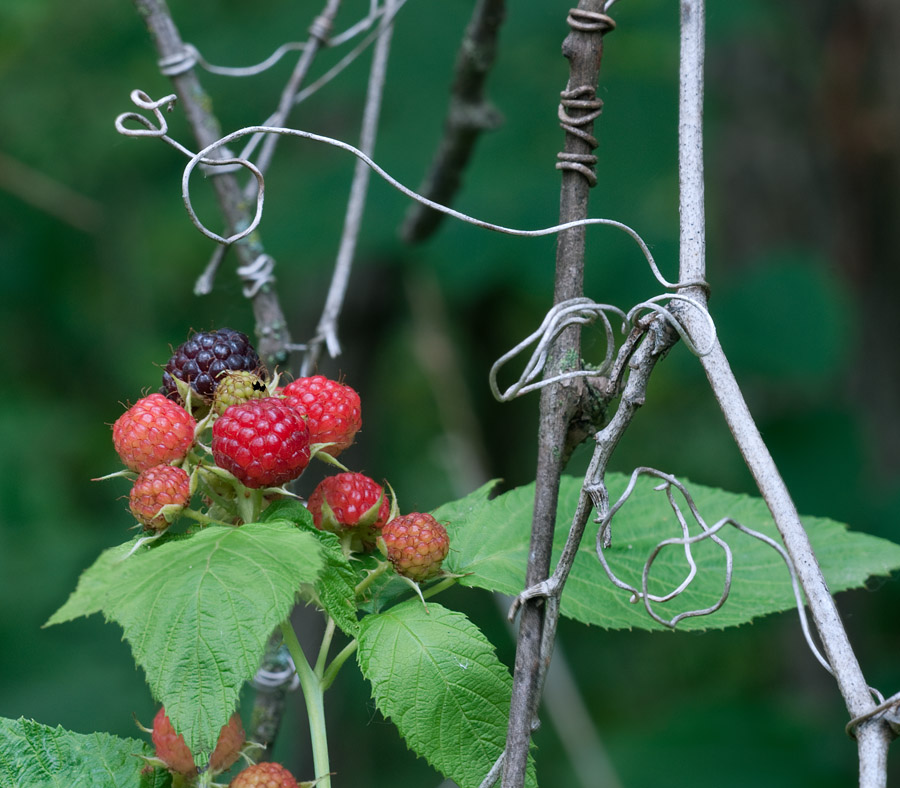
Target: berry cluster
{"x": 221, "y": 430}
{"x": 262, "y": 436}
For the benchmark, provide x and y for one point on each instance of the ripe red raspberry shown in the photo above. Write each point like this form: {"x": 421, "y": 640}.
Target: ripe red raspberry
{"x": 172, "y": 750}
{"x": 205, "y": 357}
{"x": 264, "y": 775}
{"x": 350, "y": 502}
{"x": 331, "y": 408}
{"x": 161, "y": 485}
{"x": 153, "y": 431}
{"x": 263, "y": 442}
{"x": 416, "y": 544}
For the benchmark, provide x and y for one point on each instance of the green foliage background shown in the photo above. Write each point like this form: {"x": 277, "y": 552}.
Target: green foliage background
{"x": 802, "y": 185}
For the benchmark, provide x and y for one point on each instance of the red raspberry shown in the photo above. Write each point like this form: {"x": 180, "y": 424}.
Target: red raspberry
{"x": 331, "y": 408}
{"x": 416, "y": 544}
{"x": 153, "y": 431}
{"x": 162, "y": 485}
{"x": 264, "y": 775}
{"x": 172, "y": 750}
{"x": 348, "y": 502}
{"x": 263, "y": 442}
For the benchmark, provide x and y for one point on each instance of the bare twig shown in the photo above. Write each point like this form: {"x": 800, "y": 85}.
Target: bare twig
{"x": 271, "y": 327}
{"x": 874, "y": 734}
{"x": 49, "y": 195}
{"x": 583, "y": 47}
{"x": 468, "y": 115}
{"x": 326, "y": 331}
{"x": 318, "y": 35}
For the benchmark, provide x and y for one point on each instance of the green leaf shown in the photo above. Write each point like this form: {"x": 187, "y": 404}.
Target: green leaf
{"x": 94, "y": 584}
{"x": 198, "y": 612}
{"x": 37, "y": 756}
{"x": 490, "y": 541}
{"x": 335, "y": 588}
{"x": 437, "y": 677}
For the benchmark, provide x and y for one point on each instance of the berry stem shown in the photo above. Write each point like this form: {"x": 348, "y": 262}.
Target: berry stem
{"x": 438, "y": 587}
{"x": 337, "y": 663}
{"x": 370, "y": 578}
{"x": 205, "y": 779}
{"x": 313, "y": 692}
{"x": 249, "y": 504}
{"x": 202, "y": 518}
{"x": 323, "y": 649}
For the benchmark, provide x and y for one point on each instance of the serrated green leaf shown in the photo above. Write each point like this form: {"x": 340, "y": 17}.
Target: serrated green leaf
{"x": 335, "y": 588}
{"x": 198, "y": 613}
{"x": 439, "y": 680}
{"x": 37, "y": 756}
{"x": 90, "y": 595}
{"x": 287, "y": 509}
{"x": 490, "y": 542}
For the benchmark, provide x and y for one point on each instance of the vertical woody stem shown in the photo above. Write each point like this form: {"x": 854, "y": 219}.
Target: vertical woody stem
{"x": 270, "y": 323}
{"x": 583, "y": 47}
{"x": 874, "y": 735}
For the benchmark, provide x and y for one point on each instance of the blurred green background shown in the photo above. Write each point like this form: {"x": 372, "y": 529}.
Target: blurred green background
{"x": 98, "y": 260}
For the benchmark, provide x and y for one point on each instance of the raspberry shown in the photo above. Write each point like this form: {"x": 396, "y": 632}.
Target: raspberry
{"x": 153, "y": 431}
{"x": 161, "y": 485}
{"x": 416, "y": 544}
{"x": 172, "y": 750}
{"x": 205, "y": 357}
{"x": 237, "y": 386}
{"x": 348, "y": 502}
{"x": 264, "y": 775}
{"x": 331, "y": 408}
{"x": 263, "y": 442}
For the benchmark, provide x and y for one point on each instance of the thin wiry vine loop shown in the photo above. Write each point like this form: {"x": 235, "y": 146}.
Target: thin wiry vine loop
{"x": 191, "y": 57}
{"x": 653, "y": 305}
{"x": 888, "y": 710}
{"x": 143, "y": 101}
{"x": 574, "y": 311}
{"x": 203, "y": 157}
{"x": 686, "y": 540}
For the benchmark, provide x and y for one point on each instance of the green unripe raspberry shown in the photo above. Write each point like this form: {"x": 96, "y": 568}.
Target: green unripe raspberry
{"x": 236, "y": 387}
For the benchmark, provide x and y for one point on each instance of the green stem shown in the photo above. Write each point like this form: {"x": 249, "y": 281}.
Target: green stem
{"x": 370, "y": 578}
{"x": 208, "y": 490}
{"x": 249, "y": 504}
{"x": 323, "y": 649}
{"x": 438, "y": 587}
{"x": 313, "y": 691}
{"x": 202, "y": 518}
{"x": 332, "y": 670}
{"x": 205, "y": 779}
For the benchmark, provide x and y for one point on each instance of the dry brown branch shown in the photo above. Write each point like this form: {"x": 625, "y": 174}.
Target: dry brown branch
{"x": 271, "y": 327}
{"x": 468, "y": 115}
{"x": 583, "y": 47}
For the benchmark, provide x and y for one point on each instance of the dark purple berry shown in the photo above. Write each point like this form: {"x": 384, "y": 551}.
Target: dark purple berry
{"x": 205, "y": 357}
